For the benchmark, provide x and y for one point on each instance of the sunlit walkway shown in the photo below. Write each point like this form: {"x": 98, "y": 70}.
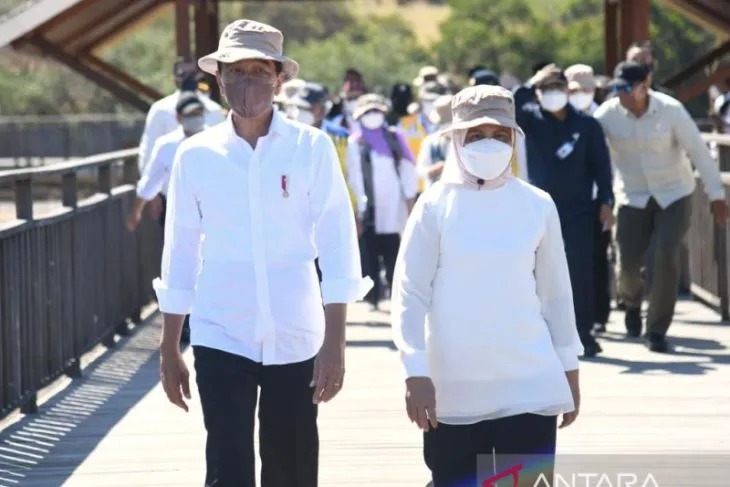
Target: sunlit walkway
{"x": 115, "y": 427}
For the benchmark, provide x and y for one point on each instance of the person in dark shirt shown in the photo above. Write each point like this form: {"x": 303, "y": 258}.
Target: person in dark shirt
{"x": 566, "y": 156}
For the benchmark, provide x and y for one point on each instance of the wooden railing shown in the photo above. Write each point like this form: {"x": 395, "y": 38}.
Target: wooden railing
{"x": 708, "y": 242}
{"x": 73, "y": 278}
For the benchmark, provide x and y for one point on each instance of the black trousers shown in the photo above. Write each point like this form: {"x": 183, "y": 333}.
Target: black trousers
{"x": 373, "y": 248}
{"x": 578, "y": 234}
{"x": 468, "y": 455}
{"x": 601, "y": 273}
{"x": 288, "y": 439}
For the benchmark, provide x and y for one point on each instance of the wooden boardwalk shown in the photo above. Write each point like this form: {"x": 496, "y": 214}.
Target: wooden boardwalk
{"x": 114, "y": 427}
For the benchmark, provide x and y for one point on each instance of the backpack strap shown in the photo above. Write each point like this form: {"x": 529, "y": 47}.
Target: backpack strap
{"x": 366, "y": 166}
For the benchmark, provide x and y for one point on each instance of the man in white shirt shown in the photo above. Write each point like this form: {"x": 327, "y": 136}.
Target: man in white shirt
{"x": 252, "y": 202}
{"x": 162, "y": 119}
{"x": 156, "y": 176}
{"x": 648, "y": 134}
{"x": 382, "y": 173}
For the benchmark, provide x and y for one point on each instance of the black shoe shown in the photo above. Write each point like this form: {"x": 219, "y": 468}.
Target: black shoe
{"x": 633, "y": 322}
{"x": 657, "y": 343}
{"x": 591, "y": 348}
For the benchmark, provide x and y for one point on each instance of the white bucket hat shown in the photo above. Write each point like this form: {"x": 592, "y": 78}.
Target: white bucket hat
{"x": 248, "y": 39}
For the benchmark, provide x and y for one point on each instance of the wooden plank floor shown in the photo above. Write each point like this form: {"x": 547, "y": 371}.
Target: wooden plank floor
{"x": 115, "y": 428}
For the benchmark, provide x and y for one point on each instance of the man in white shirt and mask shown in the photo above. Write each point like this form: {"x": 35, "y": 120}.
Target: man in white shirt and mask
{"x": 581, "y": 88}
{"x": 252, "y": 202}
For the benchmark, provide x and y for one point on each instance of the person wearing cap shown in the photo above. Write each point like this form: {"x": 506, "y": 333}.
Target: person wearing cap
{"x": 567, "y": 156}
{"x": 401, "y": 98}
{"x": 252, "y": 202}
{"x": 482, "y": 309}
{"x": 581, "y": 88}
{"x": 425, "y": 75}
{"x": 382, "y": 173}
{"x": 484, "y": 77}
{"x": 649, "y": 134}
{"x": 155, "y": 179}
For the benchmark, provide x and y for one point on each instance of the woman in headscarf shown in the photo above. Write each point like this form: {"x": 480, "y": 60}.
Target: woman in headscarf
{"x": 483, "y": 310}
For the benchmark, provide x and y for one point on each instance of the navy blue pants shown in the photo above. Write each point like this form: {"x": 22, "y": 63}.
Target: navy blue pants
{"x": 579, "y": 236}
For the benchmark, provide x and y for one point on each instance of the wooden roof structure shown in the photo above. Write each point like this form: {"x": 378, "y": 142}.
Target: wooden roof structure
{"x": 71, "y": 31}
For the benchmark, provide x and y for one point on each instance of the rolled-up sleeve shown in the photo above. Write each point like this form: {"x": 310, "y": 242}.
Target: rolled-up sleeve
{"x": 555, "y": 293}
{"x": 688, "y": 134}
{"x": 175, "y": 287}
{"x": 413, "y": 287}
{"x": 335, "y": 232}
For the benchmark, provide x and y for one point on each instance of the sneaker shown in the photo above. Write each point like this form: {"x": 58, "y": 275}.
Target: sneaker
{"x": 633, "y": 322}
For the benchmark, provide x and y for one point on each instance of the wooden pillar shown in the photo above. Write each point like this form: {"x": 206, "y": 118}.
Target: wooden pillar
{"x": 634, "y": 17}
{"x": 182, "y": 28}
{"x": 206, "y": 36}
{"x": 612, "y": 54}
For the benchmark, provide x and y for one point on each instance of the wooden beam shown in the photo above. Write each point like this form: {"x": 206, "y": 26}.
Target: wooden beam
{"x": 611, "y": 36}
{"x": 698, "y": 65}
{"x": 182, "y": 28}
{"x": 92, "y": 23}
{"x": 122, "y": 76}
{"x": 700, "y": 86}
{"x": 100, "y": 79}
{"x": 140, "y": 18}
{"x": 634, "y": 18}
{"x": 206, "y": 37}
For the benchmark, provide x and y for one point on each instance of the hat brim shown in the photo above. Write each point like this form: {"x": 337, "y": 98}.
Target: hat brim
{"x": 574, "y": 85}
{"x": 209, "y": 63}
{"x": 359, "y": 112}
{"x": 467, "y": 124}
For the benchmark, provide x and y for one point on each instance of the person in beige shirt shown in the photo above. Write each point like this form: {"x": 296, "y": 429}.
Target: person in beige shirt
{"x": 648, "y": 134}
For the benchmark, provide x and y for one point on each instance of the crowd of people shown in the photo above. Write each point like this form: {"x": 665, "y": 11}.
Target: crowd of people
{"x": 484, "y": 212}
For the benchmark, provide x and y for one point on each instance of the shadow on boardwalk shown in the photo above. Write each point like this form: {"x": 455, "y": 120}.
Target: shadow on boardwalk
{"x": 45, "y": 449}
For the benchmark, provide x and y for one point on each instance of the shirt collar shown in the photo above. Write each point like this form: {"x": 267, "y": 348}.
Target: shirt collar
{"x": 279, "y": 125}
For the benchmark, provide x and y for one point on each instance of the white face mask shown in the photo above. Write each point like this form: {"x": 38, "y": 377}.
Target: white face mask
{"x": 349, "y": 107}
{"x": 372, "y": 120}
{"x": 306, "y": 117}
{"x": 486, "y": 159}
{"x": 193, "y": 125}
{"x": 426, "y": 107}
{"x": 553, "y": 100}
{"x": 581, "y": 100}
{"x": 291, "y": 112}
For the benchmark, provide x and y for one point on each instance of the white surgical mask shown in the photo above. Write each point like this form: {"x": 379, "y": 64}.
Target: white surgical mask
{"x": 426, "y": 107}
{"x": 581, "y": 100}
{"x": 553, "y": 100}
{"x": 291, "y": 112}
{"x": 349, "y": 107}
{"x": 486, "y": 159}
{"x": 306, "y": 117}
{"x": 194, "y": 124}
{"x": 372, "y": 120}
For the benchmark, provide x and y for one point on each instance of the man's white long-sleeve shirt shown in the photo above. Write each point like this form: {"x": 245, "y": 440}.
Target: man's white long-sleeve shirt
{"x": 648, "y": 152}
{"x": 162, "y": 119}
{"x": 482, "y": 302}
{"x": 156, "y": 175}
{"x": 243, "y": 229}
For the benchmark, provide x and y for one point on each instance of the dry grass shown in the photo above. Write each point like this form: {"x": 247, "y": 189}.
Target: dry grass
{"x": 423, "y": 17}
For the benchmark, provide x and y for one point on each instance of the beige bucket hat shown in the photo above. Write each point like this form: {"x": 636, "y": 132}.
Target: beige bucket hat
{"x": 477, "y": 105}
{"x": 248, "y": 39}
{"x": 580, "y": 77}
{"x": 371, "y": 101}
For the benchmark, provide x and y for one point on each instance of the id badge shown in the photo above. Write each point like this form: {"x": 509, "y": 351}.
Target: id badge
{"x": 565, "y": 150}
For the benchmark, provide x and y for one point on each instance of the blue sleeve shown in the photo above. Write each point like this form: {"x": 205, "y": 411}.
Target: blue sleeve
{"x": 600, "y": 161}
{"x": 524, "y": 110}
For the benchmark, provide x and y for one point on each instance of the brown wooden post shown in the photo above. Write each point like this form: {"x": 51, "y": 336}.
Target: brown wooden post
{"x": 634, "y": 23}
{"x": 182, "y": 27}
{"x": 611, "y": 36}
{"x": 206, "y": 37}
{"x": 23, "y": 189}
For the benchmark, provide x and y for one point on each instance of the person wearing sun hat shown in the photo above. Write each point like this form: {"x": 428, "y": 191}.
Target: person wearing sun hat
{"x": 263, "y": 328}
{"x": 435, "y": 147}
{"x": 382, "y": 173}
{"x": 482, "y": 309}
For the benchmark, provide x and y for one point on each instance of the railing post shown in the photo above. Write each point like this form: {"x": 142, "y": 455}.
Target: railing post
{"x": 723, "y": 156}
{"x": 105, "y": 178}
{"x": 722, "y": 270}
{"x": 130, "y": 171}
{"x": 69, "y": 196}
{"x": 30, "y": 406}
{"x": 24, "y": 199}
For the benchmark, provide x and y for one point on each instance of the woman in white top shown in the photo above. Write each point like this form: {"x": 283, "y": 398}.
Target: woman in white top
{"x": 483, "y": 310}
